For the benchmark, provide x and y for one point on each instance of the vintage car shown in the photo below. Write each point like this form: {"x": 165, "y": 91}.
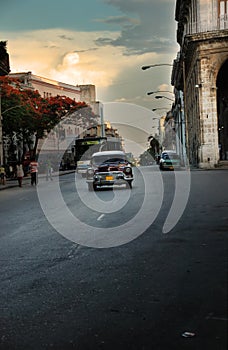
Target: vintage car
{"x": 109, "y": 168}
{"x": 169, "y": 160}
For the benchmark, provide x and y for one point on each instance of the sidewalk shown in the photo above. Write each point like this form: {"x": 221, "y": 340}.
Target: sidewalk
{"x": 10, "y": 183}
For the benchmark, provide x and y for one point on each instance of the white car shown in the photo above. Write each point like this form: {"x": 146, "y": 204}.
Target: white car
{"x": 82, "y": 166}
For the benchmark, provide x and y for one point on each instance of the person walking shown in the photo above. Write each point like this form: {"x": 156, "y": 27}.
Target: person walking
{"x": 20, "y": 173}
{"x": 49, "y": 171}
{"x": 2, "y": 175}
{"x": 34, "y": 172}
{"x": 11, "y": 172}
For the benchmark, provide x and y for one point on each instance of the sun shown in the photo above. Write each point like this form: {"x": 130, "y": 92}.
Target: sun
{"x": 71, "y": 59}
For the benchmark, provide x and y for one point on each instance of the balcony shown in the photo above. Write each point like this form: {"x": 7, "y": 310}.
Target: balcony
{"x": 220, "y": 23}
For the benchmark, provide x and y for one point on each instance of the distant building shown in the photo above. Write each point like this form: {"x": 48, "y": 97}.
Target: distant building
{"x": 60, "y": 137}
{"x": 48, "y": 87}
{"x": 200, "y": 71}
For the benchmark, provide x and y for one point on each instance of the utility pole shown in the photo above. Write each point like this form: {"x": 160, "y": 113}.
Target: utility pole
{"x": 101, "y": 112}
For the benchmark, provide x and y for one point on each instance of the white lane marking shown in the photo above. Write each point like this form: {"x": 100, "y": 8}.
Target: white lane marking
{"x": 100, "y": 217}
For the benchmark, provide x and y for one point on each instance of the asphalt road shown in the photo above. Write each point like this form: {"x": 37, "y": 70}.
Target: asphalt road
{"x": 141, "y": 290}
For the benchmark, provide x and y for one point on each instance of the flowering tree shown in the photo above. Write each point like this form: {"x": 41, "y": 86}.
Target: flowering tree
{"x": 27, "y": 115}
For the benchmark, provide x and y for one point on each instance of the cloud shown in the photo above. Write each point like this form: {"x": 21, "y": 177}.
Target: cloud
{"x": 64, "y": 37}
{"x": 109, "y": 59}
{"x": 149, "y": 31}
{"x": 87, "y": 50}
{"x": 135, "y": 5}
{"x": 120, "y": 20}
{"x": 137, "y": 44}
{"x": 108, "y": 51}
{"x": 75, "y": 61}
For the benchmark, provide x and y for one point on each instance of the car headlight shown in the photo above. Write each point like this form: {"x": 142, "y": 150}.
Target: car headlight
{"x": 90, "y": 172}
{"x": 127, "y": 170}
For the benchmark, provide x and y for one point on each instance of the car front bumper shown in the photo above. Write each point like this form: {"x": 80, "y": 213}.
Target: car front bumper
{"x": 110, "y": 179}
{"x": 170, "y": 166}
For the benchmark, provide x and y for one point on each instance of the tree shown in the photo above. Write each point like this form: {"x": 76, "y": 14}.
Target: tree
{"x": 27, "y": 115}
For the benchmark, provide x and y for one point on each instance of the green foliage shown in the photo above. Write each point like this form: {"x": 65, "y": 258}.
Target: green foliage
{"x": 26, "y": 114}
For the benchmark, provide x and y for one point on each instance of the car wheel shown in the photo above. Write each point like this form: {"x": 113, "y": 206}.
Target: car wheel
{"x": 90, "y": 187}
{"x": 129, "y": 184}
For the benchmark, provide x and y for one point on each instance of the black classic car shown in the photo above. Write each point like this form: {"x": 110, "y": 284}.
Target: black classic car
{"x": 109, "y": 168}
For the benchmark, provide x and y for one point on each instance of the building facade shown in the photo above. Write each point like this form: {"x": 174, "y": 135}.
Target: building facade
{"x": 200, "y": 71}
{"x": 61, "y": 136}
{"x": 48, "y": 87}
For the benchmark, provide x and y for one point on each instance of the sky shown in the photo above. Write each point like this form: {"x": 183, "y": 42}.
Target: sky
{"x": 100, "y": 42}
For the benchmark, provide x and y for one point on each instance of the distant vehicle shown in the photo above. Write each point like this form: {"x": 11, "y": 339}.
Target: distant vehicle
{"x": 109, "y": 168}
{"x": 85, "y": 147}
{"x": 169, "y": 160}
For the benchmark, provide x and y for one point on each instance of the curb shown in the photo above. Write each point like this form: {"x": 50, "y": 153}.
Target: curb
{"x": 26, "y": 180}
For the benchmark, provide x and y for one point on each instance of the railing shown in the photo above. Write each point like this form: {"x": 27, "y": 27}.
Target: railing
{"x": 205, "y": 26}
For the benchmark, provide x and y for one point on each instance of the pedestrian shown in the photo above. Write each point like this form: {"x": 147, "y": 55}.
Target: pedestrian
{"x": 2, "y": 175}
{"x": 49, "y": 171}
{"x": 20, "y": 173}
{"x": 34, "y": 171}
{"x": 11, "y": 172}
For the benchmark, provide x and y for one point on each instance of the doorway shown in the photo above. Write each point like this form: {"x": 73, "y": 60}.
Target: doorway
{"x": 222, "y": 107}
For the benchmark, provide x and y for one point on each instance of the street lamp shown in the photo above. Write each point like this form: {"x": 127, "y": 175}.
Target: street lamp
{"x": 155, "y": 109}
{"x": 155, "y": 92}
{"x": 156, "y": 65}
{"x": 159, "y": 96}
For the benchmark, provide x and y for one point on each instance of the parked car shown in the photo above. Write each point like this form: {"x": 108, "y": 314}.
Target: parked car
{"x": 109, "y": 168}
{"x": 169, "y": 160}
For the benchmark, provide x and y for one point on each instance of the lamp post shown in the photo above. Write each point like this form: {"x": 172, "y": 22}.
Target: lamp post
{"x": 158, "y": 130}
{"x": 156, "y": 65}
{"x": 155, "y": 109}
{"x": 155, "y": 92}
{"x": 161, "y": 96}
{"x": 101, "y": 113}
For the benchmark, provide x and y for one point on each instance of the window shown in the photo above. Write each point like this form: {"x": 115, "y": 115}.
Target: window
{"x": 222, "y": 13}
{"x": 222, "y": 8}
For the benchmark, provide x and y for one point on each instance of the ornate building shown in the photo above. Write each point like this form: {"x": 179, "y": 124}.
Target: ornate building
{"x": 48, "y": 87}
{"x": 61, "y": 136}
{"x": 200, "y": 71}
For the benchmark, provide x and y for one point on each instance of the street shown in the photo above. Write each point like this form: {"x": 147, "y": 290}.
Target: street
{"x": 127, "y": 288}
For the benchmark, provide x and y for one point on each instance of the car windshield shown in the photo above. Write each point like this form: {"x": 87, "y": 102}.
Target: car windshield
{"x": 98, "y": 160}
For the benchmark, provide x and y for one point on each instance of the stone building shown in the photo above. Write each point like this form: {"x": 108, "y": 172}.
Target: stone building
{"x": 69, "y": 128}
{"x": 200, "y": 71}
{"x": 48, "y": 87}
